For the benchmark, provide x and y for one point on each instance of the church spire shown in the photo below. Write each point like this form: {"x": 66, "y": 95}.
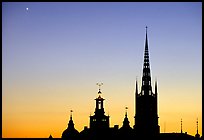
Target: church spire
{"x": 146, "y": 53}
{"x": 146, "y": 116}
{"x": 146, "y": 78}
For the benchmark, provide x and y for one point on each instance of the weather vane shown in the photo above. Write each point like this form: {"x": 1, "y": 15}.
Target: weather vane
{"x": 99, "y": 86}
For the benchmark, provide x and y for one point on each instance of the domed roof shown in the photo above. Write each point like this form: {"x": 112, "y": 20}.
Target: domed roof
{"x": 70, "y": 132}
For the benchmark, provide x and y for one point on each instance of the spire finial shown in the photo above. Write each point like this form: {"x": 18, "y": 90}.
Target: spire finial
{"x": 126, "y": 108}
{"x": 146, "y": 36}
{"x": 181, "y": 126}
{"x": 197, "y": 125}
{"x": 71, "y": 114}
{"x": 99, "y": 86}
{"x": 146, "y": 44}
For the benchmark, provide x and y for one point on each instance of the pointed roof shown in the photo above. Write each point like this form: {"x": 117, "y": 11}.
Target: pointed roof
{"x": 71, "y": 123}
{"x": 146, "y": 78}
{"x": 50, "y": 137}
{"x": 126, "y": 123}
{"x": 146, "y": 53}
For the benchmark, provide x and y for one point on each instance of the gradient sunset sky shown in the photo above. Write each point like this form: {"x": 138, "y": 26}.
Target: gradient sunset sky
{"x": 53, "y": 54}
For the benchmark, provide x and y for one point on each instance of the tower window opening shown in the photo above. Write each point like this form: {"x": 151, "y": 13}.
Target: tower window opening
{"x": 103, "y": 120}
{"x": 99, "y": 105}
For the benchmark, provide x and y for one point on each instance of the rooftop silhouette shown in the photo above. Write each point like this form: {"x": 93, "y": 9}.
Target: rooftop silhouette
{"x": 146, "y": 115}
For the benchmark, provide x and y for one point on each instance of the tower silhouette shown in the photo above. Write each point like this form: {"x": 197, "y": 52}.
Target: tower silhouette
{"x": 146, "y": 117}
{"x": 99, "y": 120}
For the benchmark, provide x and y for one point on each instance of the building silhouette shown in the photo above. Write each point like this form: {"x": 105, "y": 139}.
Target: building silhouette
{"x": 70, "y": 133}
{"x": 146, "y": 116}
{"x": 99, "y": 120}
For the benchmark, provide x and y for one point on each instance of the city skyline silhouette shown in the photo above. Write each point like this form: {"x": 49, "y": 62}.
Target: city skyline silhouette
{"x": 53, "y": 54}
{"x": 146, "y": 117}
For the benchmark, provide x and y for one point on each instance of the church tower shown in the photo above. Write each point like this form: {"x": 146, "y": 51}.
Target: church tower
{"x": 146, "y": 115}
{"x": 99, "y": 120}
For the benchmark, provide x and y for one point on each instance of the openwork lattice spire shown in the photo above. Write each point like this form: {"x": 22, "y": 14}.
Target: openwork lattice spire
{"x": 146, "y": 78}
{"x": 146, "y": 53}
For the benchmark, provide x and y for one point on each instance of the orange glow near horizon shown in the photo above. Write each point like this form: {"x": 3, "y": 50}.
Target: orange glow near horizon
{"x": 39, "y": 119}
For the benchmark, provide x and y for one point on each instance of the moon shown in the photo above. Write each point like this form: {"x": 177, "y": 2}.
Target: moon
{"x": 27, "y": 9}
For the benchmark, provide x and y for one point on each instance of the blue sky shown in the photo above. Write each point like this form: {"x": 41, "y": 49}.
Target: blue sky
{"x": 57, "y": 52}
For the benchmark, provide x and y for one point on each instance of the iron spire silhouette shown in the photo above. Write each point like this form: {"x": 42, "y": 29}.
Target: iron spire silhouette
{"x": 146, "y": 116}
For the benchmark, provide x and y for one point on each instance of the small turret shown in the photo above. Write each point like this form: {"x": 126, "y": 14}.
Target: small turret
{"x": 70, "y": 132}
{"x": 126, "y": 123}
